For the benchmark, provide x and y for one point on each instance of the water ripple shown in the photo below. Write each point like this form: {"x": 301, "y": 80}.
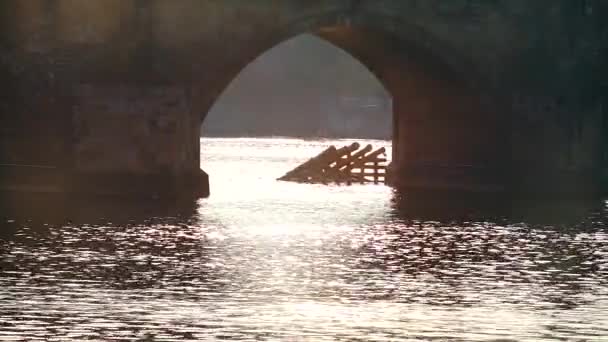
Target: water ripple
{"x": 304, "y": 263}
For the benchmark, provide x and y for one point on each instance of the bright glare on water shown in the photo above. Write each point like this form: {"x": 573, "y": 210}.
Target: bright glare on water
{"x": 268, "y": 260}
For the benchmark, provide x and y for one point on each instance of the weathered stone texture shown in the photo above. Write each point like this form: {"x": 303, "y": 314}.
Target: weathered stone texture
{"x": 133, "y": 129}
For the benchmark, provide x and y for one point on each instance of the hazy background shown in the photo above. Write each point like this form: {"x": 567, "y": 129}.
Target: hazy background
{"x": 304, "y": 87}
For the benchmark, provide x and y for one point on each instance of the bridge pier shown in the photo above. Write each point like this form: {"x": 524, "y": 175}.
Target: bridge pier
{"x": 448, "y": 135}
{"x": 116, "y": 139}
{"x": 135, "y": 139}
{"x": 541, "y": 151}
{"x": 114, "y": 136}
{"x": 556, "y": 149}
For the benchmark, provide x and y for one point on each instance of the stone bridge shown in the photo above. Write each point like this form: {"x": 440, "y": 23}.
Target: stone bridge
{"x": 487, "y": 93}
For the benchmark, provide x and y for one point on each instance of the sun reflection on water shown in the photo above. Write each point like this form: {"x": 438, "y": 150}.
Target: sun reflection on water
{"x": 268, "y": 260}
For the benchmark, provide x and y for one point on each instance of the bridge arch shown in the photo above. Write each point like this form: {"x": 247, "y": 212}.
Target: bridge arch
{"x": 125, "y": 75}
{"x": 442, "y": 113}
{"x": 392, "y": 35}
{"x": 378, "y": 41}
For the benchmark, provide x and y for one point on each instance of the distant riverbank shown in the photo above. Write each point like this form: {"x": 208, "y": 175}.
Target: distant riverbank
{"x": 286, "y": 136}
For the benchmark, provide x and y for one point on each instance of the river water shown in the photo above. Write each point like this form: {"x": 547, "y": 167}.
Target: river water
{"x": 268, "y": 260}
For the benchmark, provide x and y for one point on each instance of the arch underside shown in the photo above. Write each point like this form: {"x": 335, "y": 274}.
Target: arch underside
{"x": 373, "y": 39}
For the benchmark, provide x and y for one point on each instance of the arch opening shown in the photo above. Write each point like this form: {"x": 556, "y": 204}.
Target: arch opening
{"x": 446, "y": 131}
{"x": 303, "y": 87}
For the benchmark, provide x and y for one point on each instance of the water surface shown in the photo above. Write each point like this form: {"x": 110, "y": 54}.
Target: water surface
{"x": 268, "y": 260}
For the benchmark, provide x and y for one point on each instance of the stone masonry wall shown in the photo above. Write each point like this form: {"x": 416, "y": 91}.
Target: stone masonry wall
{"x": 141, "y": 130}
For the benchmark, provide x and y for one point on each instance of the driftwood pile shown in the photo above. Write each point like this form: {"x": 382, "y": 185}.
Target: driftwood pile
{"x": 347, "y": 164}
